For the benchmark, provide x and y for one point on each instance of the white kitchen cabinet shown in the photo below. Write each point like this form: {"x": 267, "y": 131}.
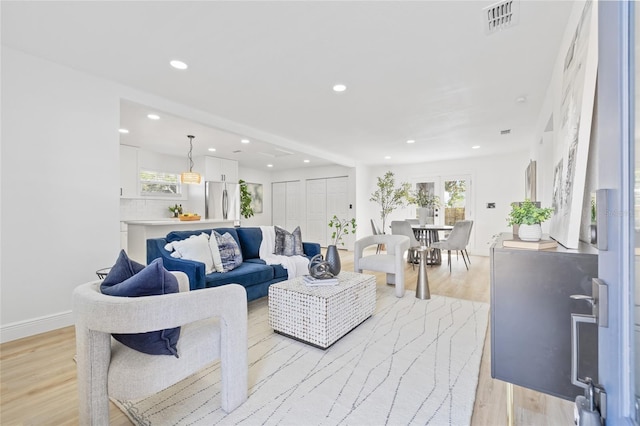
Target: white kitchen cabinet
{"x": 216, "y": 169}
{"x": 128, "y": 172}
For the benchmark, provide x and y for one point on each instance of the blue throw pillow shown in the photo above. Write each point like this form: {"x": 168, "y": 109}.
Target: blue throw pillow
{"x": 124, "y": 268}
{"x": 152, "y": 280}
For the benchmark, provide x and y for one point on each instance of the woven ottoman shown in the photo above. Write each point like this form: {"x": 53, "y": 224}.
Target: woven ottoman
{"x": 321, "y": 315}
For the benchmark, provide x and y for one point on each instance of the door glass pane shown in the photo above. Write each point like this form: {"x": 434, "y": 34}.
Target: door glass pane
{"x": 455, "y": 201}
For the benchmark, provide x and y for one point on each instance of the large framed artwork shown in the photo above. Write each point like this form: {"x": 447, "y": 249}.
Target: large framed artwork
{"x": 255, "y": 190}
{"x": 573, "y": 113}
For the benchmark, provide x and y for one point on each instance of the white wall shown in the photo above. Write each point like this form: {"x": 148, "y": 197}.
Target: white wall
{"x": 495, "y": 179}
{"x": 547, "y": 149}
{"x": 60, "y": 189}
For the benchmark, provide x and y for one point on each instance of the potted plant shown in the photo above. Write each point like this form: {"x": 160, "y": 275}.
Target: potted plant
{"x": 245, "y": 200}
{"x": 389, "y": 196}
{"x": 341, "y": 227}
{"x": 529, "y": 217}
{"x": 426, "y": 203}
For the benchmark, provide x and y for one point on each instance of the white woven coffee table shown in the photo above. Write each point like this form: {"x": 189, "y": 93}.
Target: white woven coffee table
{"x": 321, "y": 315}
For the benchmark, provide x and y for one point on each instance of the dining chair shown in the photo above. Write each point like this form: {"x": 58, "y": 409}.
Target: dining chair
{"x": 402, "y": 227}
{"x": 376, "y": 231}
{"x": 458, "y": 240}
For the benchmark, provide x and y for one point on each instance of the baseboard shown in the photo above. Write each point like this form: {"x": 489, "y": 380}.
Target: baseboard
{"x": 20, "y": 329}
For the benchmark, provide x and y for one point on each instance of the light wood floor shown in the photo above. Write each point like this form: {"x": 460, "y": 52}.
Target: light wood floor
{"x": 38, "y": 379}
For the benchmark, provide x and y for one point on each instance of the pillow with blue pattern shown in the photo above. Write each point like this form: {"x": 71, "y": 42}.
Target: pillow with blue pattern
{"x": 230, "y": 253}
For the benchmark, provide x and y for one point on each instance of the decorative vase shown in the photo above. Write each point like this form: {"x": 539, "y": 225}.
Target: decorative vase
{"x": 530, "y": 232}
{"x": 333, "y": 258}
{"x": 423, "y": 214}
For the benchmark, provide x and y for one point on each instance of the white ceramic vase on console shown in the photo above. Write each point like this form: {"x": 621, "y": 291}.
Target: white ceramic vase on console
{"x": 530, "y": 232}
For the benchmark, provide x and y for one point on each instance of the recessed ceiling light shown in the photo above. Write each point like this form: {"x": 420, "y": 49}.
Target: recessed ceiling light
{"x": 125, "y": 131}
{"x": 269, "y": 165}
{"x": 387, "y": 157}
{"x": 212, "y": 149}
{"x": 153, "y": 116}
{"x": 306, "y": 161}
{"x": 179, "y": 65}
{"x": 475, "y": 147}
{"x": 411, "y": 141}
{"x": 521, "y": 99}
{"x": 245, "y": 140}
{"x": 339, "y": 88}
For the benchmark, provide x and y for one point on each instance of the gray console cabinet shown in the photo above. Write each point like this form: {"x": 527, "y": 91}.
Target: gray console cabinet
{"x": 531, "y": 316}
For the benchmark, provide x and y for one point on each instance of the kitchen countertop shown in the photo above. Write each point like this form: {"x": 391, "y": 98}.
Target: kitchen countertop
{"x": 173, "y": 221}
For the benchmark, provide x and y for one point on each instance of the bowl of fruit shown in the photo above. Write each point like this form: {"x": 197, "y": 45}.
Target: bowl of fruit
{"x": 189, "y": 216}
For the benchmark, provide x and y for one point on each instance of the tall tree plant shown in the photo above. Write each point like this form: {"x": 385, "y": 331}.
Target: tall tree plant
{"x": 390, "y": 197}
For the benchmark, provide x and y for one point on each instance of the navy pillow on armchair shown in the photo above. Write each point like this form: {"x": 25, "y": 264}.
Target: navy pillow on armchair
{"x": 127, "y": 279}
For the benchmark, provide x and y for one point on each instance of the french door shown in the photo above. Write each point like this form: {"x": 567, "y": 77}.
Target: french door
{"x": 454, "y": 193}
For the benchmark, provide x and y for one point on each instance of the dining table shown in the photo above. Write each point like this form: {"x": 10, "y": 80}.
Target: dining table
{"x": 428, "y": 234}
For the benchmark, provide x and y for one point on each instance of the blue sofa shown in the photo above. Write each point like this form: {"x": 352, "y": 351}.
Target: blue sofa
{"x": 254, "y": 274}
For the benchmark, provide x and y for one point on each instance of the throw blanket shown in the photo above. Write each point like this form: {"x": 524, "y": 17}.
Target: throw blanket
{"x": 296, "y": 266}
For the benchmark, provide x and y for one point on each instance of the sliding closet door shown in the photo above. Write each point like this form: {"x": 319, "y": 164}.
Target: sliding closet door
{"x": 317, "y": 223}
{"x": 279, "y": 204}
{"x": 338, "y": 205}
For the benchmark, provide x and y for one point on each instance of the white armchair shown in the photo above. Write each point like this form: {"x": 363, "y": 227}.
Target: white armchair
{"x": 392, "y": 262}
{"x": 213, "y": 326}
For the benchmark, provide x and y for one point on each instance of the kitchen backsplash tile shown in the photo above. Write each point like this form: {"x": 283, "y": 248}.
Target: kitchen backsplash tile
{"x": 139, "y": 209}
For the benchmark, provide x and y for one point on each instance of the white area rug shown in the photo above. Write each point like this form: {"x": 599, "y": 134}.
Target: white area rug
{"x": 413, "y": 362}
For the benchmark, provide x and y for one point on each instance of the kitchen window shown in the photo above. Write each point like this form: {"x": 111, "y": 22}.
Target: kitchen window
{"x": 160, "y": 184}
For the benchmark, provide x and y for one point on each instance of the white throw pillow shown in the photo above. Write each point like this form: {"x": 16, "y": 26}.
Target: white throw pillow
{"x": 196, "y": 247}
{"x": 215, "y": 253}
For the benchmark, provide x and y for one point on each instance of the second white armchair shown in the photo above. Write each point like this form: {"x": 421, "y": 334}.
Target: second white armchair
{"x": 391, "y": 262}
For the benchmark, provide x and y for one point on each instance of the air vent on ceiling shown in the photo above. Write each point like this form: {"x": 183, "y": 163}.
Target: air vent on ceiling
{"x": 276, "y": 152}
{"x": 505, "y": 132}
{"x": 501, "y": 15}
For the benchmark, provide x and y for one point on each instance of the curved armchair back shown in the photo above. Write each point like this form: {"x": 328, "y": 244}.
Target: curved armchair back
{"x": 392, "y": 263}
{"x": 213, "y": 325}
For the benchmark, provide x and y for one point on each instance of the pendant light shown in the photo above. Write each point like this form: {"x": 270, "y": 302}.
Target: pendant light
{"x": 190, "y": 176}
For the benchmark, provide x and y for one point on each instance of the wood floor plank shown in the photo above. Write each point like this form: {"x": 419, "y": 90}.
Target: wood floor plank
{"x": 38, "y": 374}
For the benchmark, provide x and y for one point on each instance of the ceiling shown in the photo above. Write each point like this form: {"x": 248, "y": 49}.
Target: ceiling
{"x": 419, "y": 70}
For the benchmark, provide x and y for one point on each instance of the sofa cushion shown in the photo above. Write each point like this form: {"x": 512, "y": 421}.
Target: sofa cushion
{"x": 250, "y": 241}
{"x": 247, "y": 274}
{"x": 230, "y": 254}
{"x": 215, "y": 254}
{"x": 278, "y": 270}
{"x": 152, "y": 280}
{"x": 196, "y": 247}
{"x": 288, "y": 243}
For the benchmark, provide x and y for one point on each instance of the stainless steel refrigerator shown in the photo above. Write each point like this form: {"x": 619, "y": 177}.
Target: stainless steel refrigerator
{"x": 222, "y": 200}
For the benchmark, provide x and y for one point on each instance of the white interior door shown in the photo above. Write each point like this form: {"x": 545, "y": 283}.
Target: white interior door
{"x": 317, "y": 212}
{"x": 338, "y": 205}
{"x": 293, "y": 205}
{"x": 279, "y": 204}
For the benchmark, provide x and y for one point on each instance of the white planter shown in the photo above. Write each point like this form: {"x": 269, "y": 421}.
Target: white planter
{"x": 425, "y": 215}
{"x": 530, "y": 232}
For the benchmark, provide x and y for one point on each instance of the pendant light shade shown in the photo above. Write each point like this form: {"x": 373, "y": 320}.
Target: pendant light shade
{"x": 190, "y": 176}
